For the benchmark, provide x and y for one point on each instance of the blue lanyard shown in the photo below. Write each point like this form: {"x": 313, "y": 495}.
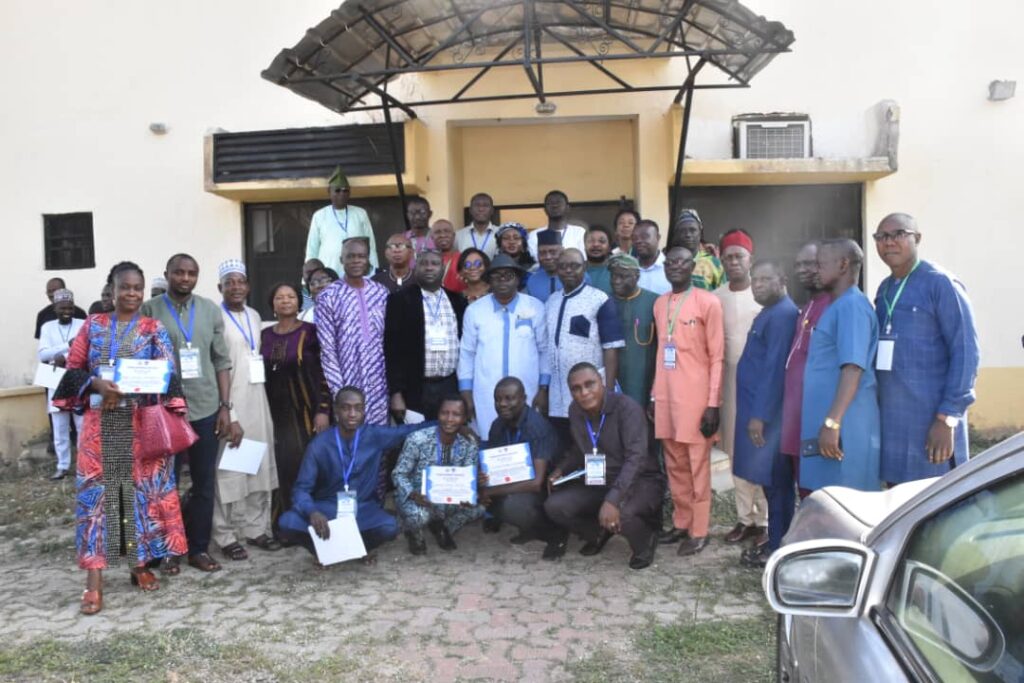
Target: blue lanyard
{"x": 344, "y": 227}
{"x": 187, "y": 334}
{"x": 251, "y": 338}
{"x": 514, "y": 439}
{"x": 115, "y": 341}
{"x": 435, "y": 310}
{"x": 590, "y": 429}
{"x": 346, "y": 472}
{"x": 472, "y": 234}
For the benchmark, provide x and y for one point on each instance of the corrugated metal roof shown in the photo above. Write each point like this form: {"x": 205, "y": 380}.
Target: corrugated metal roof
{"x": 363, "y": 44}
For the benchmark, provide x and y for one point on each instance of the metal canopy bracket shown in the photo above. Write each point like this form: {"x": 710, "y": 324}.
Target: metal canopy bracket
{"x": 347, "y": 56}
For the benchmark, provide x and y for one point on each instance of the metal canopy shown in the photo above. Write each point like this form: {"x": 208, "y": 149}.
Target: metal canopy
{"x": 351, "y": 55}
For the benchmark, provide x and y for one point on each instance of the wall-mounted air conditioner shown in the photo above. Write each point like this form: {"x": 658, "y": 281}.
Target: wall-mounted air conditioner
{"x": 771, "y": 136}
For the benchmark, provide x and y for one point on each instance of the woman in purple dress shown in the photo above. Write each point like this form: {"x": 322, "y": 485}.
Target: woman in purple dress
{"x": 300, "y": 403}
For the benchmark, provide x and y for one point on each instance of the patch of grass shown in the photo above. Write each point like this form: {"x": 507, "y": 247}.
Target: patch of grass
{"x": 720, "y": 651}
{"x": 30, "y": 502}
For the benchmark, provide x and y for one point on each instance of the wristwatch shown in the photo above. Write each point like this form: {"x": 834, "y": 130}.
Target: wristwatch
{"x": 948, "y": 420}
{"x": 831, "y": 424}
{"x": 227, "y": 404}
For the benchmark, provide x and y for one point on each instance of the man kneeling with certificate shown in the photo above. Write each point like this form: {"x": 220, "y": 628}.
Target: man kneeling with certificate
{"x": 436, "y": 479}
{"x": 622, "y": 486}
{"x": 338, "y": 478}
{"x": 514, "y": 464}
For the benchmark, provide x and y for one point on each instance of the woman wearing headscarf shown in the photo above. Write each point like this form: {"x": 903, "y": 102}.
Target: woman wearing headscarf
{"x": 300, "y": 402}
{"x": 512, "y": 240}
{"x": 125, "y": 504}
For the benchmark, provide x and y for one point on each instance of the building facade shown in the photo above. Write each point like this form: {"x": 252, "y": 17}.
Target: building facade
{"x": 117, "y": 111}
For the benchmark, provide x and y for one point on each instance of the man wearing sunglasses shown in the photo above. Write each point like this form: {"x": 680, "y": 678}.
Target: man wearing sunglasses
{"x": 927, "y": 358}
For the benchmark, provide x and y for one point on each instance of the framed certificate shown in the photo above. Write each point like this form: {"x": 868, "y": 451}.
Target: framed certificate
{"x": 135, "y": 376}
{"x": 450, "y": 485}
{"x": 507, "y": 464}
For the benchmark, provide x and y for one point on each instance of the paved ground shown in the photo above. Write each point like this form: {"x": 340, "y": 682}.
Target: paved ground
{"x": 488, "y": 611}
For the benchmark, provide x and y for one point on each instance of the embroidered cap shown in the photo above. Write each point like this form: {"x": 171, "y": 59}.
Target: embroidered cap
{"x": 63, "y": 296}
{"x": 232, "y": 265}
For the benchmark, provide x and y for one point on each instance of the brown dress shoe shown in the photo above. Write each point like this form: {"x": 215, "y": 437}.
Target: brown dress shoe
{"x": 738, "y": 533}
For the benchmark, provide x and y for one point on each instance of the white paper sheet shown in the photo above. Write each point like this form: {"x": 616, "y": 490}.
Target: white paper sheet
{"x": 344, "y": 543}
{"x": 140, "y": 376}
{"x": 48, "y": 375}
{"x": 246, "y": 458}
{"x": 450, "y": 485}
{"x": 507, "y": 464}
{"x": 414, "y": 418}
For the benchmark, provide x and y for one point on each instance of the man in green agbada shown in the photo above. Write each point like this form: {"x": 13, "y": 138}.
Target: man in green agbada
{"x": 337, "y": 222}
{"x": 636, "y": 308}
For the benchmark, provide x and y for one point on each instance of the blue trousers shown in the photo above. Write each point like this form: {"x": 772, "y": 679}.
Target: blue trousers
{"x": 781, "y": 496}
{"x": 376, "y": 525}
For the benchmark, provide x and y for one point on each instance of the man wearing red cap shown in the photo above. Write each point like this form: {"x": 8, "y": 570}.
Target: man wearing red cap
{"x": 738, "y": 312}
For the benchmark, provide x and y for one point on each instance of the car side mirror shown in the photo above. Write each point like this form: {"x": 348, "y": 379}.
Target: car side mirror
{"x": 822, "y": 578}
{"x": 933, "y": 608}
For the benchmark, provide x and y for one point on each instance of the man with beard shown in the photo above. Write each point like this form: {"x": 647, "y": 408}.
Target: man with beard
{"x": 646, "y": 238}
{"x": 556, "y": 207}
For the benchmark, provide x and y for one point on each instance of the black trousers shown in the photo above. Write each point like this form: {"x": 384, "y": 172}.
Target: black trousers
{"x": 574, "y": 507}
{"x": 202, "y": 468}
{"x": 525, "y": 511}
{"x": 434, "y": 391}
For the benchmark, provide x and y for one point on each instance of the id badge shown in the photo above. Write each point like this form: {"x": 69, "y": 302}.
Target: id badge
{"x": 594, "y": 467}
{"x": 107, "y": 373}
{"x": 437, "y": 340}
{"x": 886, "y": 347}
{"x": 670, "y": 356}
{"x": 257, "y": 371}
{"x": 347, "y": 504}
{"x": 190, "y": 368}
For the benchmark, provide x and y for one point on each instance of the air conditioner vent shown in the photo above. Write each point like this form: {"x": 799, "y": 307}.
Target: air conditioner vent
{"x": 759, "y": 136}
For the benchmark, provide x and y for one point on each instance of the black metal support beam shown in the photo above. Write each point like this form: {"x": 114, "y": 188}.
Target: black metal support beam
{"x": 480, "y": 74}
{"x": 688, "y": 88}
{"x": 394, "y": 155}
{"x": 398, "y": 103}
{"x": 601, "y": 23}
{"x": 528, "y": 49}
{"x": 672, "y": 27}
{"x": 387, "y": 37}
{"x": 575, "y": 50}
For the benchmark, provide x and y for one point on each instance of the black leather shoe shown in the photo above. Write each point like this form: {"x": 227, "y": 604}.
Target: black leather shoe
{"x": 756, "y": 557}
{"x": 58, "y": 475}
{"x": 673, "y": 536}
{"x": 492, "y": 525}
{"x": 692, "y": 546}
{"x": 556, "y": 547}
{"x": 591, "y": 548}
{"x": 646, "y": 558}
{"x": 417, "y": 546}
{"x": 521, "y": 538}
{"x": 442, "y": 536}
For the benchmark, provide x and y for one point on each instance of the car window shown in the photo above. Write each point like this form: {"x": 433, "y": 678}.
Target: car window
{"x": 958, "y": 592}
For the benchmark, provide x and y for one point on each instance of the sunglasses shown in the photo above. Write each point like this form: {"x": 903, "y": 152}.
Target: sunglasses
{"x": 473, "y": 263}
{"x": 894, "y": 236}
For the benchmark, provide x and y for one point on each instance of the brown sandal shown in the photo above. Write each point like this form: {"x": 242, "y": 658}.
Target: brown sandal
{"x": 235, "y": 551}
{"x": 170, "y": 565}
{"x": 203, "y": 562}
{"x": 92, "y": 601}
{"x": 145, "y": 579}
{"x": 264, "y": 542}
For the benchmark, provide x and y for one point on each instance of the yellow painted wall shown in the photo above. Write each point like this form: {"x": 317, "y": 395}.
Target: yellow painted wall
{"x": 1000, "y": 405}
{"x": 22, "y": 418}
{"x": 520, "y": 163}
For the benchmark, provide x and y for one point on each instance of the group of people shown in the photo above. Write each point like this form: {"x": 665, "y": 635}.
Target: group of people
{"x": 618, "y": 368}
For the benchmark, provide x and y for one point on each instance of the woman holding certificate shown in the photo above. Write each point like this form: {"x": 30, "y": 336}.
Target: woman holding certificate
{"x": 125, "y": 503}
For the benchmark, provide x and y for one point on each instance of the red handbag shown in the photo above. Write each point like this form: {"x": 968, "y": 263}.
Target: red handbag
{"x": 159, "y": 433}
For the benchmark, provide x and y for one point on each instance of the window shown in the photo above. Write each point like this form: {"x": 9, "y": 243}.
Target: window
{"x": 68, "y": 241}
{"x": 959, "y": 588}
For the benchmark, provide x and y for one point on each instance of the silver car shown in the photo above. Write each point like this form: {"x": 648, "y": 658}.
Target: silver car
{"x": 923, "y": 582}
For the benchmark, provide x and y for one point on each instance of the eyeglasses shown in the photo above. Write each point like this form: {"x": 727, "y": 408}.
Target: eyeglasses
{"x": 503, "y": 275}
{"x": 894, "y": 236}
{"x": 473, "y": 263}
{"x": 570, "y": 266}
{"x": 677, "y": 261}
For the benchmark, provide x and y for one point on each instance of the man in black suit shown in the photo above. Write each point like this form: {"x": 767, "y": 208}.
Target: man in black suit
{"x": 422, "y": 328}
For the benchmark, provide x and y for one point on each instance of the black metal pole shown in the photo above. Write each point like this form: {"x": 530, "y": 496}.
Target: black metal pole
{"x": 389, "y": 124}
{"x": 691, "y": 81}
